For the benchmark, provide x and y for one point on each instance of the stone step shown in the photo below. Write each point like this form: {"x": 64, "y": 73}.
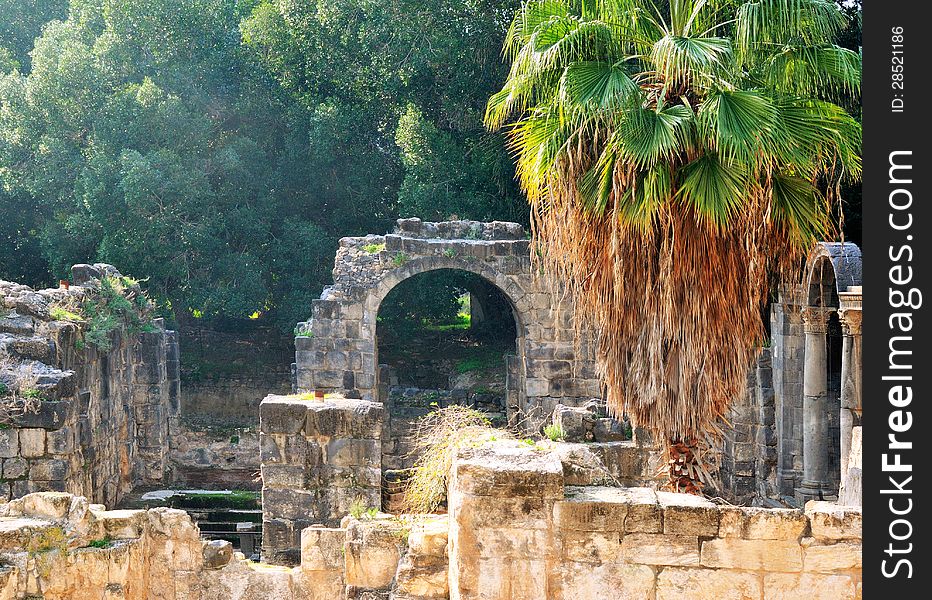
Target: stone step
{"x": 17, "y": 324}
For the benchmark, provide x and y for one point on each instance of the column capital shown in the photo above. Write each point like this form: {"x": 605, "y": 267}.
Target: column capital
{"x": 850, "y": 321}
{"x": 815, "y": 319}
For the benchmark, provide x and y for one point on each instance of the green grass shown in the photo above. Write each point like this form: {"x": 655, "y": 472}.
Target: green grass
{"x": 554, "y": 432}
{"x": 399, "y": 259}
{"x": 103, "y": 542}
{"x": 60, "y": 313}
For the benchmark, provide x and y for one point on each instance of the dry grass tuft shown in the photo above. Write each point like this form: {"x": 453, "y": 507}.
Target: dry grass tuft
{"x": 438, "y": 437}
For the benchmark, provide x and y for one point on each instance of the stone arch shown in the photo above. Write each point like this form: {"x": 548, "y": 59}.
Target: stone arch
{"x": 336, "y": 348}
{"x": 832, "y": 279}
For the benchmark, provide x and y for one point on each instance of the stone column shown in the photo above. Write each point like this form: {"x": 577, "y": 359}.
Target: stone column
{"x": 815, "y": 406}
{"x": 850, "y": 316}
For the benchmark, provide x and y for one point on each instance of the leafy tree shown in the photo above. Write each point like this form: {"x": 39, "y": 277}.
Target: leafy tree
{"x": 20, "y": 22}
{"x": 676, "y": 156}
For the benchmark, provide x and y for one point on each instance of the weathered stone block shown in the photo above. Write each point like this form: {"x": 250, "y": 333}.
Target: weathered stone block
{"x": 322, "y": 548}
{"x": 49, "y": 469}
{"x": 830, "y": 521}
{"x": 353, "y": 452}
{"x": 833, "y": 557}
{"x": 592, "y": 509}
{"x": 688, "y": 514}
{"x": 15, "y": 468}
{"x": 752, "y": 555}
{"x": 793, "y": 586}
{"x": 661, "y": 549}
{"x": 576, "y": 581}
{"x": 281, "y": 414}
{"x": 675, "y": 583}
{"x": 762, "y": 523}
{"x": 595, "y": 547}
{"x": 283, "y": 476}
{"x": 476, "y": 512}
{"x": 32, "y": 442}
{"x": 508, "y": 471}
{"x": 217, "y": 553}
{"x": 9, "y": 442}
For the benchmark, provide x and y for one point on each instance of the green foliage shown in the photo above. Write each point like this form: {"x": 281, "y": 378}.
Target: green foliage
{"x": 399, "y": 259}
{"x": 362, "y": 511}
{"x": 110, "y": 308}
{"x": 3, "y": 389}
{"x": 554, "y": 432}
{"x": 103, "y": 542}
{"x": 373, "y": 248}
{"x": 60, "y": 313}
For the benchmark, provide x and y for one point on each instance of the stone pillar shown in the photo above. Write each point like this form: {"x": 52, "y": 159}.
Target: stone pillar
{"x": 850, "y": 316}
{"x": 815, "y": 407}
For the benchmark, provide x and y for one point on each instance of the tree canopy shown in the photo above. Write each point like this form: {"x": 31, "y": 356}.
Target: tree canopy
{"x": 220, "y": 149}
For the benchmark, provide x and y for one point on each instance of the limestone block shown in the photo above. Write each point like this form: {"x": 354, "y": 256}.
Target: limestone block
{"x": 283, "y": 476}
{"x": 217, "y": 553}
{"x": 793, "y": 586}
{"x": 121, "y": 524}
{"x": 353, "y": 452}
{"x": 32, "y": 442}
{"x": 644, "y": 514}
{"x": 285, "y": 503}
{"x": 503, "y": 578}
{"x": 9, "y": 442}
{"x": 754, "y": 555}
{"x": 578, "y": 581}
{"x": 688, "y": 514}
{"x": 833, "y": 522}
{"x": 477, "y": 512}
{"x": 318, "y": 585}
{"x": 47, "y": 505}
{"x": 591, "y": 546}
{"x": 504, "y": 469}
{"x": 581, "y": 466}
{"x": 676, "y": 583}
{"x": 244, "y": 580}
{"x": 661, "y": 549}
{"x": 592, "y": 509}
{"x": 282, "y": 414}
{"x": 60, "y": 441}
{"x": 505, "y": 541}
{"x": 372, "y": 553}
{"x": 752, "y": 523}
{"x": 833, "y": 557}
{"x": 322, "y": 548}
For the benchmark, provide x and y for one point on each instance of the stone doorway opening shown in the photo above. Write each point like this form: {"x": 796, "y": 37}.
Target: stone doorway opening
{"x": 443, "y": 337}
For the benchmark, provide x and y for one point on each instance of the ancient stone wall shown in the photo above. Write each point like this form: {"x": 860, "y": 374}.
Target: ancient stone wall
{"x": 320, "y": 457}
{"x": 749, "y": 458}
{"x": 517, "y": 531}
{"x": 100, "y": 424}
{"x": 59, "y": 547}
{"x": 336, "y": 350}
{"x": 226, "y": 373}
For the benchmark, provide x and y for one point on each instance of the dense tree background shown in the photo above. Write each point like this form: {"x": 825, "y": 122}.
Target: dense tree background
{"x": 220, "y": 148}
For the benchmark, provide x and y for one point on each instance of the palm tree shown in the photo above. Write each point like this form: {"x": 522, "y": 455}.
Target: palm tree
{"x": 680, "y": 158}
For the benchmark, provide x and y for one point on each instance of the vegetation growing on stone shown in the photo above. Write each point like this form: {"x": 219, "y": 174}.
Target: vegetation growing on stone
{"x": 438, "y": 437}
{"x": 117, "y": 303}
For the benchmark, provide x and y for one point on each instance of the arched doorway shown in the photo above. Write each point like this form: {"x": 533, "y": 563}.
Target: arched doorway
{"x": 443, "y": 337}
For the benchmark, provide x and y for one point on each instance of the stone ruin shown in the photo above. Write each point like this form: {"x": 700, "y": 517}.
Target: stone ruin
{"x": 549, "y": 520}
{"x": 337, "y": 351}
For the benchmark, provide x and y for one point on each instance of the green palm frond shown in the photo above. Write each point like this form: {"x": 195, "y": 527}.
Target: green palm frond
{"x": 602, "y": 84}
{"x": 816, "y": 71}
{"x": 647, "y": 136}
{"x": 695, "y": 62}
{"x": 796, "y": 205}
{"x": 714, "y": 189}
{"x": 740, "y": 124}
{"x": 764, "y": 24}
